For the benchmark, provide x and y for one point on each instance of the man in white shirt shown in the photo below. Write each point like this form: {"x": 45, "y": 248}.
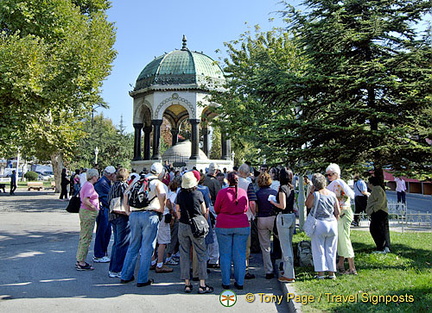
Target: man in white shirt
{"x": 360, "y": 198}
{"x": 400, "y": 189}
{"x": 144, "y": 224}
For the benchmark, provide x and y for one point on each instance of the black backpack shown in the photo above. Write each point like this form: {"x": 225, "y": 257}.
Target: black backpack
{"x": 139, "y": 194}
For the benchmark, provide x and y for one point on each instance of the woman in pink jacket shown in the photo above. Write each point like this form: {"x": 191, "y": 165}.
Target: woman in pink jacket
{"x": 232, "y": 230}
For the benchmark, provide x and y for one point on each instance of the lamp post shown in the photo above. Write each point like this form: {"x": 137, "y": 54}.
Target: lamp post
{"x": 96, "y": 151}
{"x": 17, "y": 164}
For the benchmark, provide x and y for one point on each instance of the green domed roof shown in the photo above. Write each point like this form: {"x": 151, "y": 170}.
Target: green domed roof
{"x": 180, "y": 67}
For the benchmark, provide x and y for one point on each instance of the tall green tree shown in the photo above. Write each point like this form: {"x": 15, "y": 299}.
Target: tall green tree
{"x": 114, "y": 145}
{"x": 361, "y": 94}
{"x": 54, "y": 56}
{"x": 259, "y": 66}
{"x": 369, "y": 83}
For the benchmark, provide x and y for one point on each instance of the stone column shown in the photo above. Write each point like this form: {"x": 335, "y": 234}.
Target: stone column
{"x": 226, "y": 147}
{"x": 205, "y": 133}
{"x": 174, "y": 133}
{"x": 137, "y": 141}
{"x": 147, "y": 150}
{"x": 156, "y": 139}
{"x": 195, "y": 138}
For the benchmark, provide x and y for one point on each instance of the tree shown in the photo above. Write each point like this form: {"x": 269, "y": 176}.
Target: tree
{"x": 361, "y": 95}
{"x": 263, "y": 71}
{"x": 368, "y": 85}
{"x": 54, "y": 56}
{"x": 115, "y": 146}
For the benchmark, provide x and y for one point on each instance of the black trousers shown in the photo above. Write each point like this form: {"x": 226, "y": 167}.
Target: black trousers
{"x": 63, "y": 192}
{"x": 379, "y": 229}
{"x": 360, "y": 206}
{"x": 12, "y": 188}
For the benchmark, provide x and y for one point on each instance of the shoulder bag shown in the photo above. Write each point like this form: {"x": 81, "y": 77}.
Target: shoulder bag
{"x": 310, "y": 224}
{"x": 116, "y": 205}
{"x": 116, "y": 195}
{"x": 74, "y": 204}
{"x": 198, "y": 224}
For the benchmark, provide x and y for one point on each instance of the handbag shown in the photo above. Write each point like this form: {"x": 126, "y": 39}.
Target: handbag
{"x": 74, "y": 204}
{"x": 116, "y": 205}
{"x": 199, "y": 225}
{"x": 168, "y": 218}
{"x": 310, "y": 224}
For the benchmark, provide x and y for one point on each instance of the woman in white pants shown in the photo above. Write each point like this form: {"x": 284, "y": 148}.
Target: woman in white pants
{"x": 325, "y": 208}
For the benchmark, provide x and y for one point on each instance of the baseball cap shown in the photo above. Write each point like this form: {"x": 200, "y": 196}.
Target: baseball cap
{"x": 156, "y": 168}
{"x": 212, "y": 167}
{"x": 110, "y": 169}
{"x": 197, "y": 175}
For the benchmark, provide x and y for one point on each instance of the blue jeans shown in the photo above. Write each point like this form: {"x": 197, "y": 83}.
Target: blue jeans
{"x": 144, "y": 227}
{"x": 103, "y": 233}
{"x": 285, "y": 224}
{"x": 121, "y": 230}
{"x": 232, "y": 247}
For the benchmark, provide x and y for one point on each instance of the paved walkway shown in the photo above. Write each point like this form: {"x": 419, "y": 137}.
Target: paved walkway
{"x": 38, "y": 241}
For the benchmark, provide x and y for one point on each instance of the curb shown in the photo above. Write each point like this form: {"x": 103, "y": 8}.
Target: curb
{"x": 292, "y": 305}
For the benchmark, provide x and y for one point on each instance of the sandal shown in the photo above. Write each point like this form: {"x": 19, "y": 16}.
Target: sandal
{"x": 350, "y": 272}
{"x": 341, "y": 270}
{"x": 205, "y": 289}
{"x": 188, "y": 288}
{"x": 86, "y": 267}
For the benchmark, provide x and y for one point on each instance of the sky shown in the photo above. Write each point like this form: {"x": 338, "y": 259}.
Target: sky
{"x": 148, "y": 28}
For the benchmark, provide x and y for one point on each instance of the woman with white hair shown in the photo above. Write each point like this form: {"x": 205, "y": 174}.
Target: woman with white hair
{"x": 88, "y": 212}
{"x": 344, "y": 194}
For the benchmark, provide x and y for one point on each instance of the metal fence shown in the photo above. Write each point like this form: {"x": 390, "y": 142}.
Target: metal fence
{"x": 400, "y": 216}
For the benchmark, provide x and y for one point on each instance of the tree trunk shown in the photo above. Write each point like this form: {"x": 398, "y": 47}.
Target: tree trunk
{"x": 57, "y": 165}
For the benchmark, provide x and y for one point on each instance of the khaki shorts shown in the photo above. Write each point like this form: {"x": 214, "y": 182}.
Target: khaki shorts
{"x": 164, "y": 233}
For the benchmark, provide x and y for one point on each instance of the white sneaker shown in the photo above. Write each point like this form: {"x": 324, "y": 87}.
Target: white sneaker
{"x": 379, "y": 252}
{"x": 172, "y": 262}
{"x": 114, "y": 274}
{"x": 104, "y": 259}
{"x": 386, "y": 250}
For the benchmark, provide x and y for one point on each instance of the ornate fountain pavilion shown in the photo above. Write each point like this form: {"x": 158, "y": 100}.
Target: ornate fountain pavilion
{"x": 175, "y": 87}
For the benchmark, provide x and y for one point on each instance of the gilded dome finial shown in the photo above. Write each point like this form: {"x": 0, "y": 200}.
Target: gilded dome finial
{"x": 184, "y": 46}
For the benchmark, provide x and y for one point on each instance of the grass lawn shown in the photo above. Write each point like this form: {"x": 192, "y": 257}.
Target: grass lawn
{"x": 402, "y": 278}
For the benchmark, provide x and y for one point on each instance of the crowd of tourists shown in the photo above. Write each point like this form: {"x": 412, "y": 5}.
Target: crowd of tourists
{"x": 205, "y": 219}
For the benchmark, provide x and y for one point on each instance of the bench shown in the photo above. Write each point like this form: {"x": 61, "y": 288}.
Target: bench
{"x": 37, "y": 185}
{"x": 51, "y": 187}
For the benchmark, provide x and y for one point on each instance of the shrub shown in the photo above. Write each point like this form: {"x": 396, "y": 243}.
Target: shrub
{"x": 31, "y": 176}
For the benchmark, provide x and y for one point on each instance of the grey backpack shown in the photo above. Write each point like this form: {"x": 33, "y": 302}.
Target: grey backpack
{"x": 304, "y": 253}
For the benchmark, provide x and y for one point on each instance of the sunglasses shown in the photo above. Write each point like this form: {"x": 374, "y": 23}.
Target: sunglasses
{"x": 327, "y": 175}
